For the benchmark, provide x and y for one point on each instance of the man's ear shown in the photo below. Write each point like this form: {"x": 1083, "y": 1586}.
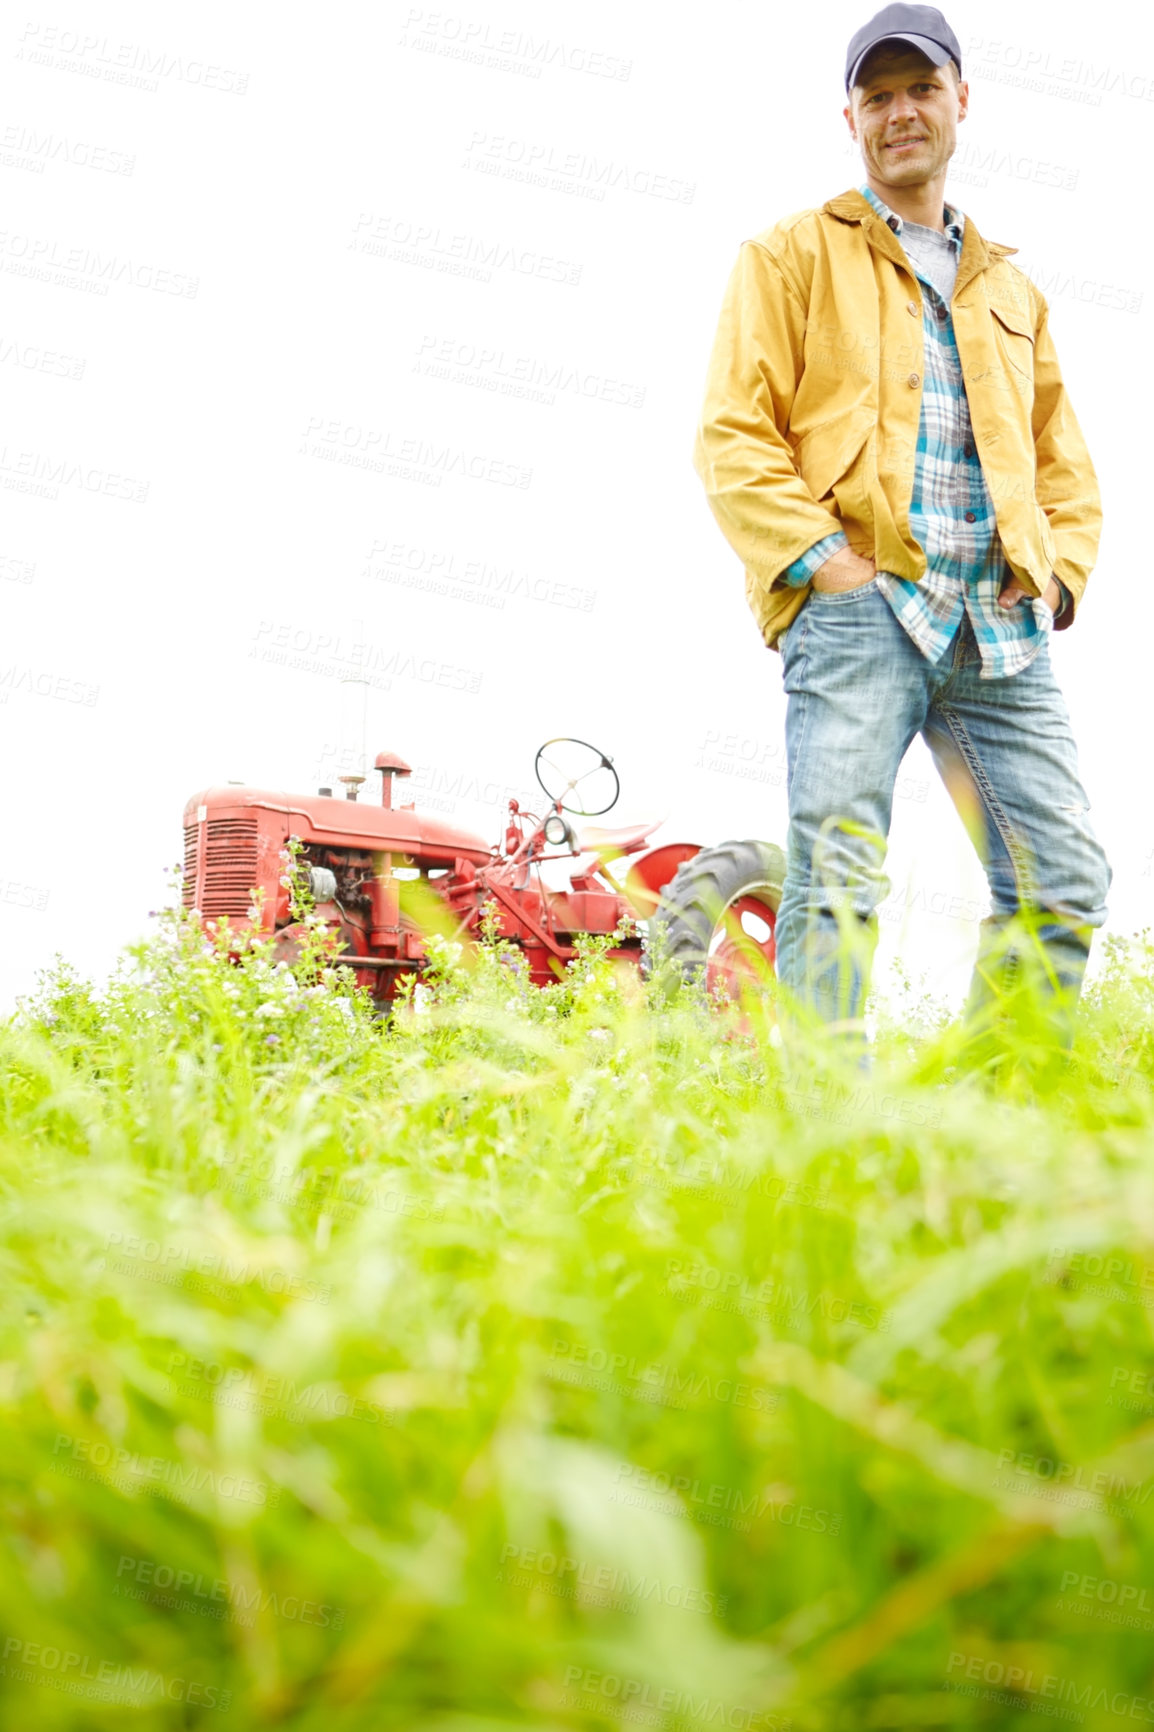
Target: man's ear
{"x": 848, "y": 112}
{"x": 963, "y": 100}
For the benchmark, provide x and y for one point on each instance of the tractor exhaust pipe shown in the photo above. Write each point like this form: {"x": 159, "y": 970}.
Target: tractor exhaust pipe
{"x": 389, "y": 766}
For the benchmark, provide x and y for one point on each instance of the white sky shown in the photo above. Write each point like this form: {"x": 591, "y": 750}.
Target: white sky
{"x": 240, "y": 182}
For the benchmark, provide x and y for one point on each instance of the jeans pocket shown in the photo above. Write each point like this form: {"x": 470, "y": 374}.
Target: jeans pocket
{"x": 840, "y": 597}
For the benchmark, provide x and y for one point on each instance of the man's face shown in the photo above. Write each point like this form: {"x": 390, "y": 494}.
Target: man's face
{"x": 904, "y": 112}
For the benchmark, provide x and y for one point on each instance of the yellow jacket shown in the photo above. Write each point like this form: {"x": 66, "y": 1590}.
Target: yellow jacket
{"x": 813, "y": 396}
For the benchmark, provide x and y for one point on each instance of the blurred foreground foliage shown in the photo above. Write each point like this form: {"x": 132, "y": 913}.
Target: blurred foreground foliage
{"x": 562, "y": 1359}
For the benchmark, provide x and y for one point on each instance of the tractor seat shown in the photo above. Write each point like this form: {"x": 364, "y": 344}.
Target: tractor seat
{"x": 625, "y": 840}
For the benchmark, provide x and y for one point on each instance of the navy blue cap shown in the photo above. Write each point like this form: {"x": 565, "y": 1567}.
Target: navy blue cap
{"x": 922, "y": 26}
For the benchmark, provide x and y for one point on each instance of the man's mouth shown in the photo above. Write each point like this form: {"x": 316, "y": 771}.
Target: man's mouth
{"x": 904, "y": 143}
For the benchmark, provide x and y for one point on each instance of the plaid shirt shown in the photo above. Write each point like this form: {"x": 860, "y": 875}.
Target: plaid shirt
{"x": 951, "y": 513}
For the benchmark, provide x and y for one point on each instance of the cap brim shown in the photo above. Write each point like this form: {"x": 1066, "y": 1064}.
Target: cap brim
{"x": 933, "y": 51}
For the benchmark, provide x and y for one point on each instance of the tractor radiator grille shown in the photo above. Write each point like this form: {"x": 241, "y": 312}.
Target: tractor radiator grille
{"x": 230, "y": 867}
{"x": 188, "y": 889}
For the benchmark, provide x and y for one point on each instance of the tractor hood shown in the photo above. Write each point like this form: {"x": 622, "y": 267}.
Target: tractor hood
{"x": 341, "y": 823}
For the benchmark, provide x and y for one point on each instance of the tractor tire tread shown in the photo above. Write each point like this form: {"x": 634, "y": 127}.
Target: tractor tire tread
{"x": 703, "y": 886}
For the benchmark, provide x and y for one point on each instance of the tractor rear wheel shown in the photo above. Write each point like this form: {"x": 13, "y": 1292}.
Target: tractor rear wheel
{"x": 717, "y": 916}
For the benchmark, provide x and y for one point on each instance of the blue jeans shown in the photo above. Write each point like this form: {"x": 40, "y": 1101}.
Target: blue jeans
{"x": 858, "y": 691}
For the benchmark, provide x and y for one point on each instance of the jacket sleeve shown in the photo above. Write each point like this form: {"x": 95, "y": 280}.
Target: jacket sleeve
{"x": 1067, "y": 487}
{"x": 766, "y": 512}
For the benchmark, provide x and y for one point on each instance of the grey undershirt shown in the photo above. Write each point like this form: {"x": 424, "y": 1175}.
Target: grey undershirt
{"x": 933, "y": 255}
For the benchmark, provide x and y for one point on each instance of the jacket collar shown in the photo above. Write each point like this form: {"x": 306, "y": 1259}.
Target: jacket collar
{"x": 977, "y": 254}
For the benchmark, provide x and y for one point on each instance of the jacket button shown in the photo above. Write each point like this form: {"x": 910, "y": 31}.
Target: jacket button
{"x": 913, "y": 381}
{"x": 911, "y": 306}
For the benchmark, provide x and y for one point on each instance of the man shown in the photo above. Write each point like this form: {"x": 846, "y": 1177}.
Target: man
{"x": 887, "y": 444}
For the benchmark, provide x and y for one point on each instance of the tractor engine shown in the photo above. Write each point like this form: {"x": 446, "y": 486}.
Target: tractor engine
{"x": 359, "y": 858}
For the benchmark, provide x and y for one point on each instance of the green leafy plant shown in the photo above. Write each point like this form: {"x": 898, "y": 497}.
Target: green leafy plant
{"x": 571, "y": 1357}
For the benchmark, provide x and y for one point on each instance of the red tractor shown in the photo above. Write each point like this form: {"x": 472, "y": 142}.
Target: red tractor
{"x": 374, "y": 872}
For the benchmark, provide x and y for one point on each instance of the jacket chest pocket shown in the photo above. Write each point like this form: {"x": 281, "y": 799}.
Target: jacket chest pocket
{"x": 1014, "y": 340}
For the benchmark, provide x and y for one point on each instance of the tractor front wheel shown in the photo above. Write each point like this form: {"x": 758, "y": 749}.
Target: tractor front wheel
{"x": 717, "y": 916}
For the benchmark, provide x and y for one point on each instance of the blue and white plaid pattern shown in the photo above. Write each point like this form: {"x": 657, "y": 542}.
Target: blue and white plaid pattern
{"x": 951, "y": 514}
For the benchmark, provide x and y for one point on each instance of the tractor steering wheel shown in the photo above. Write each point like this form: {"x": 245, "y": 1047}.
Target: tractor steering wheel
{"x": 568, "y": 762}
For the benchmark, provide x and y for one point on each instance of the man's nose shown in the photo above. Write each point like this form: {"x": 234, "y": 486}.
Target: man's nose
{"x": 903, "y": 109}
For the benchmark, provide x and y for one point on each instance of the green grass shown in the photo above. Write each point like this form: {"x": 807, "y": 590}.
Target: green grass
{"x": 558, "y": 1360}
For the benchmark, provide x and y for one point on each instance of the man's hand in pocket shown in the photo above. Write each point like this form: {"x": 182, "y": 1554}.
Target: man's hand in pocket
{"x": 1012, "y": 593}
{"x": 843, "y": 570}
